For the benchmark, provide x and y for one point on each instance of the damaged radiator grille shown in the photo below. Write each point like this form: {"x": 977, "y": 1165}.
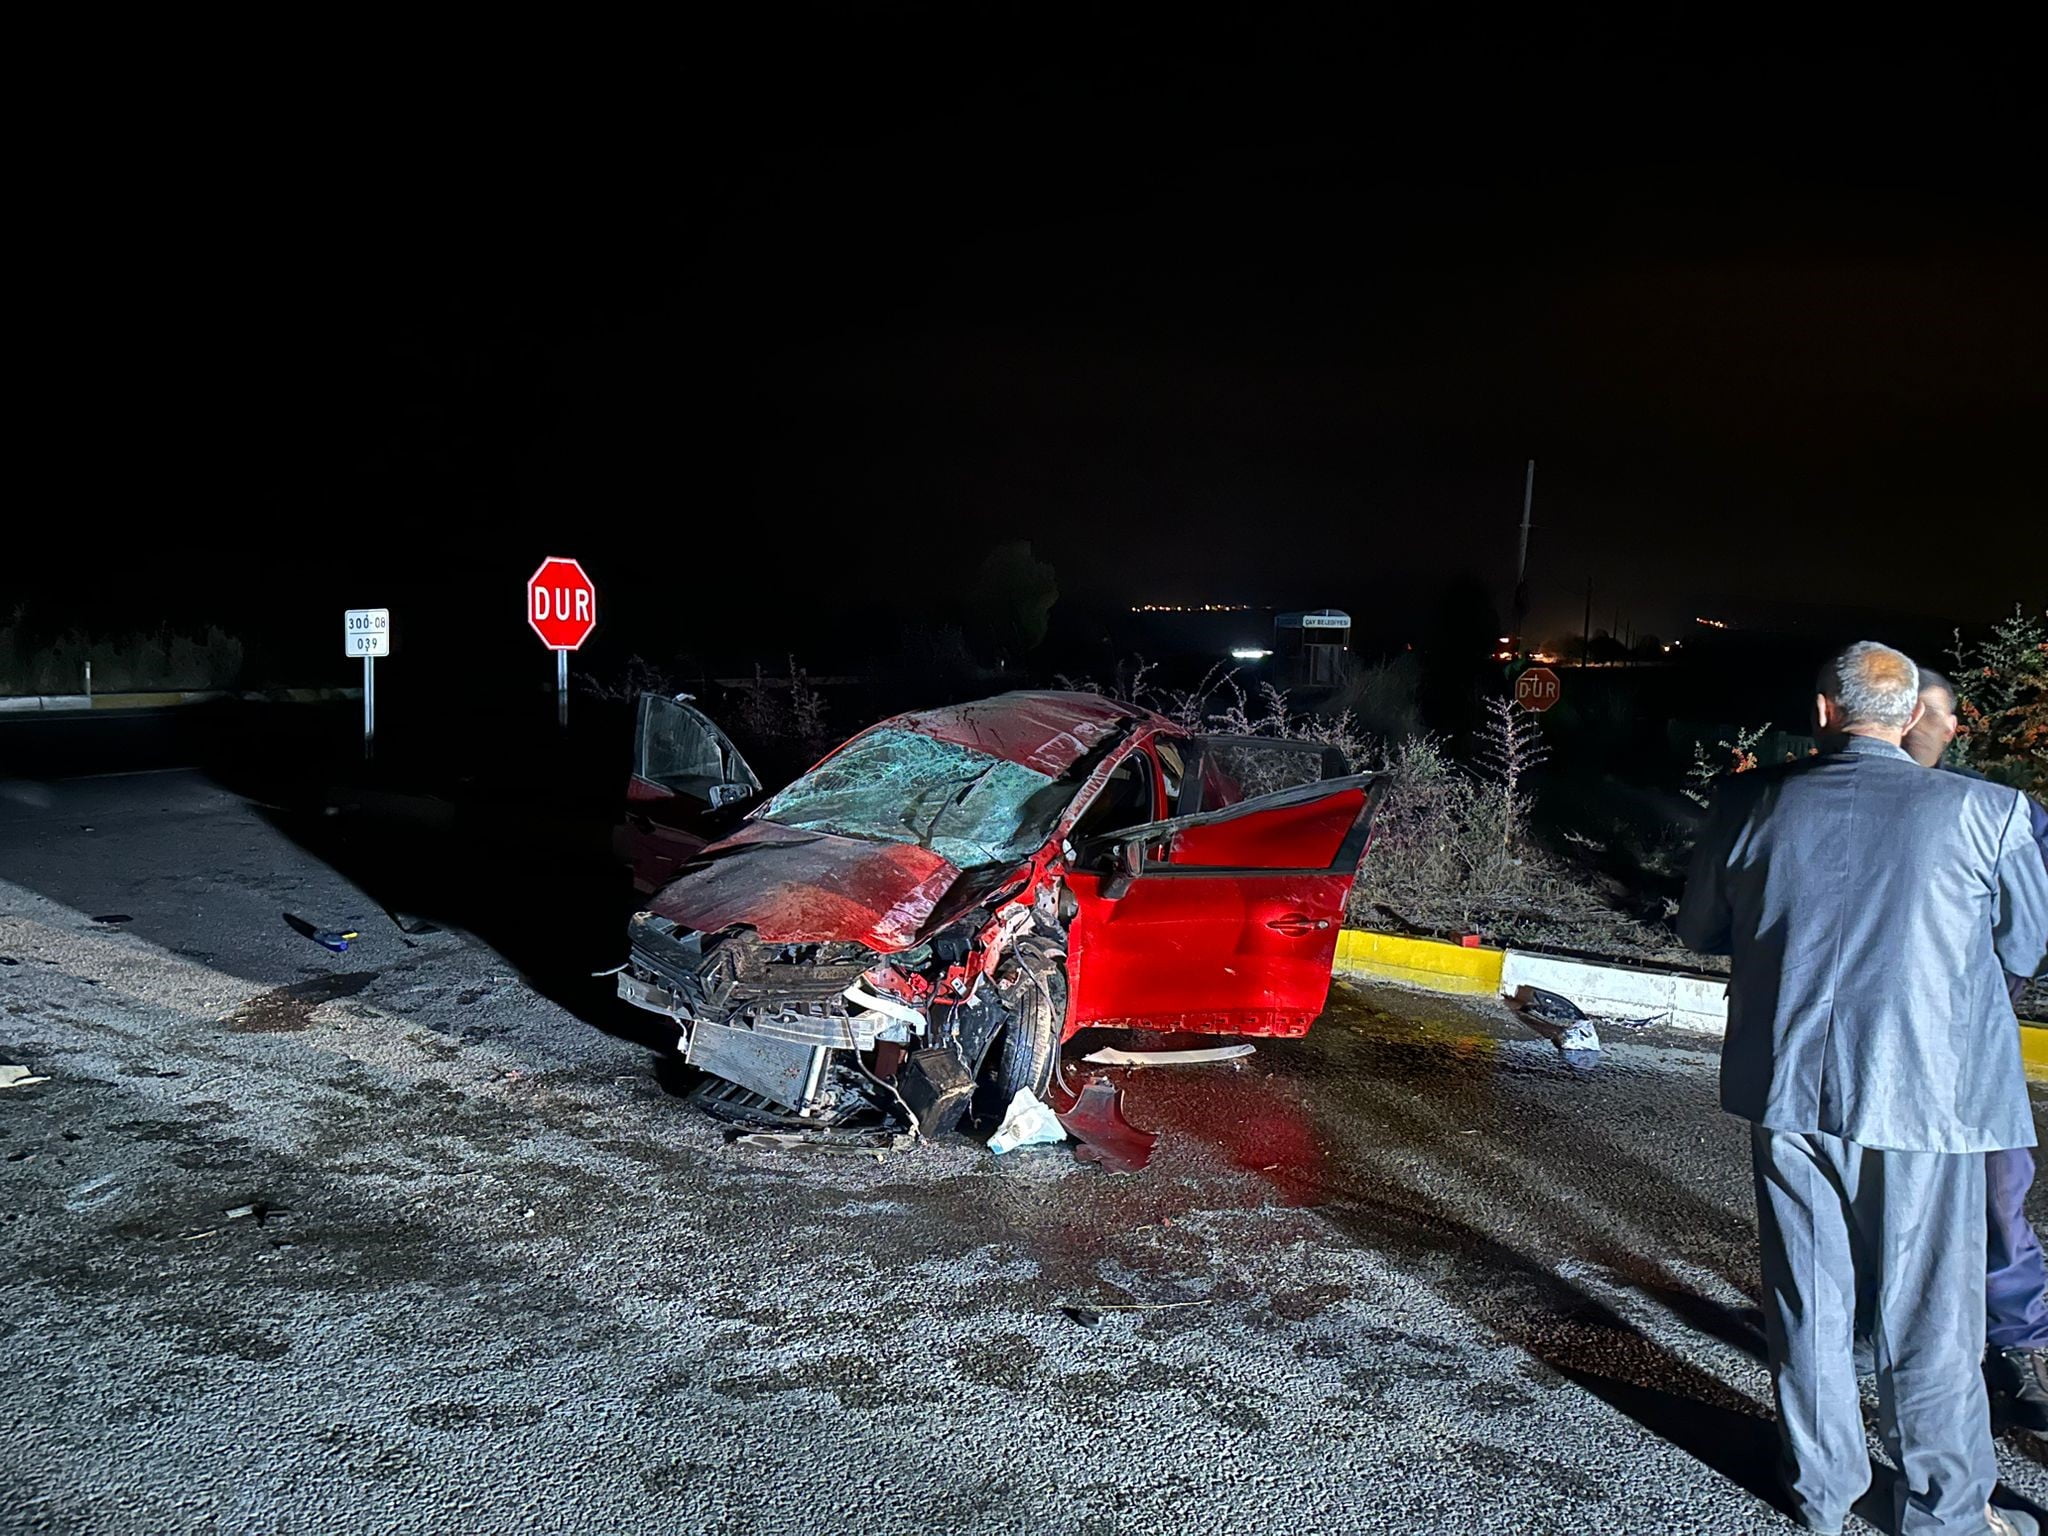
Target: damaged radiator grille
{"x": 788, "y": 990}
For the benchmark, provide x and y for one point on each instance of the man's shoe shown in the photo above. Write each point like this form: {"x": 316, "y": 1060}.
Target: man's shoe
{"x": 2019, "y": 1385}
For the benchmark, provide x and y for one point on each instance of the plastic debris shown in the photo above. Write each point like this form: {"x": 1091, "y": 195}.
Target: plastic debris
{"x": 1555, "y": 1017}
{"x": 113, "y": 919}
{"x": 8, "y": 960}
{"x": 1085, "y": 1316}
{"x": 336, "y": 939}
{"x": 12, "y": 1076}
{"x": 1110, "y": 1056}
{"x": 1101, "y": 1133}
{"x": 1027, "y": 1123}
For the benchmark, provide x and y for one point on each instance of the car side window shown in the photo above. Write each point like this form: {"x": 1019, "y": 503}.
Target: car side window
{"x": 1172, "y": 769}
{"x": 1125, "y": 800}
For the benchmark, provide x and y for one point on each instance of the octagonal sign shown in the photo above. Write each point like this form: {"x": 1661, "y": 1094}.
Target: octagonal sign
{"x": 1537, "y": 689}
{"x": 561, "y": 604}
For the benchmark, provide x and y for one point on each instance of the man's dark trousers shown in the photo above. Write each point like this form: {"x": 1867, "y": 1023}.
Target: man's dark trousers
{"x": 2016, "y": 1277}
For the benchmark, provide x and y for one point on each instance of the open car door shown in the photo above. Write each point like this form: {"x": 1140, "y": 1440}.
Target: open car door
{"x": 689, "y": 781}
{"x": 1224, "y": 921}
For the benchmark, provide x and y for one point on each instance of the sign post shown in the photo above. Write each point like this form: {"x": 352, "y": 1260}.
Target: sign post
{"x": 1537, "y": 689}
{"x": 561, "y": 605}
{"x": 366, "y": 632}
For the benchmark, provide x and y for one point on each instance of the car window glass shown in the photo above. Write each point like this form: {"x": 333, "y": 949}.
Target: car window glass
{"x": 680, "y": 751}
{"x": 1238, "y": 768}
{"x": 1125, "y": 800}
{"x": 899, "y": 786}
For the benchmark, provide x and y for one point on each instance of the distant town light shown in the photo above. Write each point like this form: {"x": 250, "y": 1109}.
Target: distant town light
{"x": 1507, "y": 640}
{"x": 1191, "y": 607}
{"x": 1248, "y": 653}
{"x": 1712, "y": 623}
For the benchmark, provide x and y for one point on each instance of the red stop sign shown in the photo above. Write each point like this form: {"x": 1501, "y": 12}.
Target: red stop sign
{"x": 561, "y": 604}
{"x": 1537, "y": 689}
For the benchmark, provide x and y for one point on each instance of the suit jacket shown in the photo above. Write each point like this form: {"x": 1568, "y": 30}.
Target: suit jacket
{"x": 2015, "y": 986}
{"x": 1869, "y": 905}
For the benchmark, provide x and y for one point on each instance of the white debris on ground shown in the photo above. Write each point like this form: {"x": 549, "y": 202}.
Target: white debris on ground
{"x": 1027, "y": 1123}
{"x": 1110, "y": 1056}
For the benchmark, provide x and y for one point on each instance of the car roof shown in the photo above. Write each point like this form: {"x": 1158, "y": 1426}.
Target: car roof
{"x": 1044, "y": 730}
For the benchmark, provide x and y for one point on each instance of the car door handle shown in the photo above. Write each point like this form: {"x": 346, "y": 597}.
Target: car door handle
{"x": 1297, "y": 923}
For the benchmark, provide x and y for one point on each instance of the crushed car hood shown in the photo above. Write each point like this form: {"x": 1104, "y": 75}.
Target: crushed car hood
{"x": 795, "y": 887}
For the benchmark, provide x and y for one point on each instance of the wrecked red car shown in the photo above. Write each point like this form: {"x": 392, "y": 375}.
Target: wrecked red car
{"x": 950, "y": 895}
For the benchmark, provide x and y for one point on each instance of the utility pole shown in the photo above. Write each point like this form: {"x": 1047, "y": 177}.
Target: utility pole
{"x": 1522, "y": 560}
{"x": 1586, "y": 643}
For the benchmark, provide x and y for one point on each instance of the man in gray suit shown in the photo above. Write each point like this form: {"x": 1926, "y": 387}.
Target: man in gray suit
{"x": 1869, "y": 907}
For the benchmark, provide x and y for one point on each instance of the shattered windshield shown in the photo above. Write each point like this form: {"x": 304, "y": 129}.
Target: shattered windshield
{"x": 897, "y": 786}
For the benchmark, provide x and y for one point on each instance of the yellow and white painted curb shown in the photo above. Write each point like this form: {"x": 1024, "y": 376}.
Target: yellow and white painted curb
{"x": 1679, "y": 999}
{"x": 1427, "y": 963}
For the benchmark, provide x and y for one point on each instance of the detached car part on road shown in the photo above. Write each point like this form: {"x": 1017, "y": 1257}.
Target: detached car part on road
{"x": 950, "y": 895}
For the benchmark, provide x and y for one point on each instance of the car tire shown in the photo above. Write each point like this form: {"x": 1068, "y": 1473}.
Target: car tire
{"x": 1025, "y": 1054}
{"x": 1031, "y": 1043}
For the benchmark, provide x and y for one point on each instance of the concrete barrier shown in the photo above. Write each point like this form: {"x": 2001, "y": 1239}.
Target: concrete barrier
{"x": 1623, "y": 992}
{"x": 1687, "y": 1000}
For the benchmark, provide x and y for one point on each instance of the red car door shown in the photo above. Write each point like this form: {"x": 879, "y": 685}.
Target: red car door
{"x": 689, "y": 783}
{"x": 1223, "y": 922}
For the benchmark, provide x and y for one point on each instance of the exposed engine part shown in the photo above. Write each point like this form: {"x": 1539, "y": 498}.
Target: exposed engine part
{"x": 779, "y": 1070}
{"x": 938, "y": 1087}
{"x": 793, "y": 1030}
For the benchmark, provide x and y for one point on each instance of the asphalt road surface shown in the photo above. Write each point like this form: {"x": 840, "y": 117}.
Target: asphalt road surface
{"x": 1416, "y": 1273}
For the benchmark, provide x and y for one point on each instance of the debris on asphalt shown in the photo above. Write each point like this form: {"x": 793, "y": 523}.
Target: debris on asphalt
{"x": 1091, "y": 1314}
{"x": 12, "y": 1076}
{"x": 8, "y": 960}
{"x": 1101, "y": 1133}
{"x": 261, "y": 1210}
{"x": 1026, "y": 1123}
{"x": 113, "y": 919}
{"x": 410, "y": 923}
{"x": 336, "y": 939}
{"x": 1557, "y": 1018}
{"x": 823, "y": 1139}
{"x": 1110, "y": 1056}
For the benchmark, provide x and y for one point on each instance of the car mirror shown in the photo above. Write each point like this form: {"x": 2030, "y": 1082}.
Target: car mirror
{"x": 1130, "y": 863}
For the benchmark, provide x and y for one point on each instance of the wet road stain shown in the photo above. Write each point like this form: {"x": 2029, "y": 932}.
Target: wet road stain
{"x": 286, "y": 1010}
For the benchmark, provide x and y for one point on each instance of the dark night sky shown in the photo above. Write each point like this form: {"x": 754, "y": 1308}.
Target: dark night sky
{"x": 803, "y": 322}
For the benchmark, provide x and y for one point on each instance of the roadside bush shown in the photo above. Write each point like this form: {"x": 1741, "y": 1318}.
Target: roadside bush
{"x": 1452, "y": 850}
{"x": 1710, "y": 767}
{"x": 2002, "y": 702}
{"x": 783, "y": 712}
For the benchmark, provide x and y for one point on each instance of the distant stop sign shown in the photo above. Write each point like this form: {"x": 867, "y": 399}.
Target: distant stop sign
{"x": 1537, "y": 689}
{"x": 561, "y": 604}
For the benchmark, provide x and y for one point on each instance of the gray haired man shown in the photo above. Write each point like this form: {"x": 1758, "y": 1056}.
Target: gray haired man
{"x": 1869, "y": 907}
